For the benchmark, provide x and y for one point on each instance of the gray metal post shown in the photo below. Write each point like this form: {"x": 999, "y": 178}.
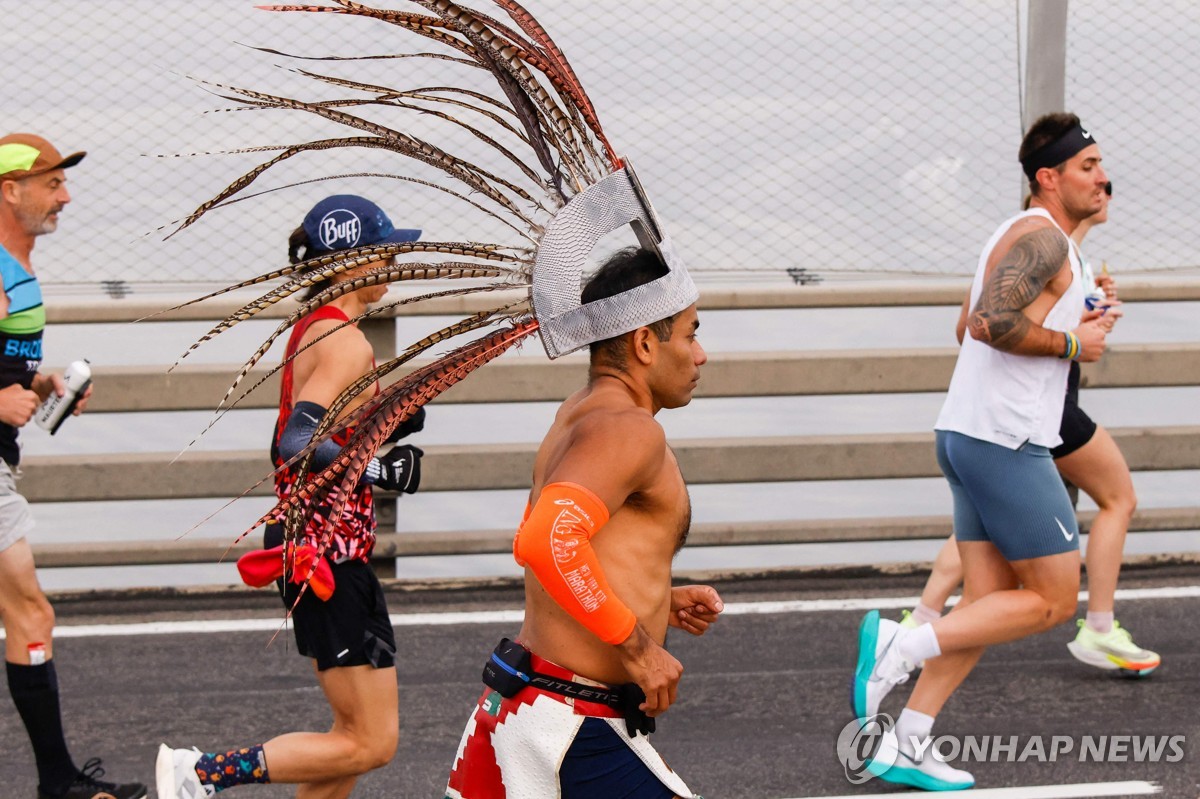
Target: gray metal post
{"x": 1045, "y": 60}
{"x": 381, "y": 332}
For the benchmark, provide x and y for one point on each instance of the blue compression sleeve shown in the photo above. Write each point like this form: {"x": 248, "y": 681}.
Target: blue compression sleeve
{"x": 298, "y": 432}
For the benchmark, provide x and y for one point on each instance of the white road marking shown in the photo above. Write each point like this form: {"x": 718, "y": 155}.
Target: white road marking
{"x": 271, "y": 624}
{"x": 1084, "y": 790}
{"x": 905, "y": 602}
{"x": 515, "y": 616}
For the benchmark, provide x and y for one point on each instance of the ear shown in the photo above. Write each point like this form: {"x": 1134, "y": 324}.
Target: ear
{"x": 9, "y": 191}
{"x": 1047, "y": 177}
{"x": 644, "y": 344}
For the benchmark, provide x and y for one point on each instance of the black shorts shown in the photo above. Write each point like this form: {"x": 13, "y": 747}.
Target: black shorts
{"x": 1076, "y": 427}
{"x": 352, "y": 628}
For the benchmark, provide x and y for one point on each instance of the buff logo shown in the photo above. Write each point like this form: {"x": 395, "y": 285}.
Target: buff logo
{"x": 340, "y": 228}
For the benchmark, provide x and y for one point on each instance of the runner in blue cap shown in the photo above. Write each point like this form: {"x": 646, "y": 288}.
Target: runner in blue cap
{"x": 342, "y": 622}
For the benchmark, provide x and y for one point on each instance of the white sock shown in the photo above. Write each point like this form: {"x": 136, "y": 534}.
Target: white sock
{"x": 919, "y": 645}
{"x": 925, "y": 614}
{"x": 912, "y": 724}
{"x": 1100, "y": 622}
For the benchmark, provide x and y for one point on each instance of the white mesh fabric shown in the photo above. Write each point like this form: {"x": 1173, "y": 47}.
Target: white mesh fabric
{"x": 565, "y": 323}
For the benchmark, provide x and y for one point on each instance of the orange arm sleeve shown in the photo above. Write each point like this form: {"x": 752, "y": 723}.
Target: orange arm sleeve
{"x": 555, "y": 542}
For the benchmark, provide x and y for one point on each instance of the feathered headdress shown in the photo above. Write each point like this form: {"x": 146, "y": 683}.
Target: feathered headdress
{"x": 578, "y": 191}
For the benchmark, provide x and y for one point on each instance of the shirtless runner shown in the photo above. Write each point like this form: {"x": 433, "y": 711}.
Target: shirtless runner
{"x": 608, "y": 511}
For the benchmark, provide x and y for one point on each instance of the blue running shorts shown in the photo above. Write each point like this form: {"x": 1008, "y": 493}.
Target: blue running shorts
{"x": 599, "y": 765}
{"x": 1012, "y": 498}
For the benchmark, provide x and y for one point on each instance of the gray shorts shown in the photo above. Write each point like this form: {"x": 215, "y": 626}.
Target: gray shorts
{"x": 1013, "y": 498}
{"x": 16, "y": 522}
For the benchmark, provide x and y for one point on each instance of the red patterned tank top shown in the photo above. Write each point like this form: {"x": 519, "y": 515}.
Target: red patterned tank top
{"x": 354, "y": 532}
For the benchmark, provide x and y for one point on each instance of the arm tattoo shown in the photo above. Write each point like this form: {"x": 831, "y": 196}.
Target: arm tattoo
{"x": 1015, "y": 282}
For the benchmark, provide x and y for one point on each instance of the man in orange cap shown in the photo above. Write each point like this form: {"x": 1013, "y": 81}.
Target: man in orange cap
{"x": 33, "y": 192}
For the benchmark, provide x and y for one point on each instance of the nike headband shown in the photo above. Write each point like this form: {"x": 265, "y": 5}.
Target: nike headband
{"x": 1057, "y": 151}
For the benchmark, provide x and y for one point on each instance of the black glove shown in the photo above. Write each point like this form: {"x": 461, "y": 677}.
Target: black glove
{"x": 400, "y": 469}
{"x": 636, "y": 719}
{"x": 413, "y": 424}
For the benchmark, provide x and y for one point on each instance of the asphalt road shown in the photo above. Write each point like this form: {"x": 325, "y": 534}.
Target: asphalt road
{"x": 761, "y": 704}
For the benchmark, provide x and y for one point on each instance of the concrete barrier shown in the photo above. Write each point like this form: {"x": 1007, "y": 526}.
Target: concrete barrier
{"x": 849, "y": 457}
{"x": 508, "y": 466}
{"x": 140, "y": 388}
{"x": 480, "y": 542}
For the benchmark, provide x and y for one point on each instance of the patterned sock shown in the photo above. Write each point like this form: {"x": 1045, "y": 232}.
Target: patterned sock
{"x": 34, "y": 691}
{"x": 925, "y": 614}
{"x": 224, "y": 770}
{"x": 1100, "y": 622}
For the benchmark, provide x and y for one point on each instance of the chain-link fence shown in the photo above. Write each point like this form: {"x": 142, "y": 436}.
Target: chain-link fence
{"x": 824, "y": 137}
{"x": 1131, "y": 72}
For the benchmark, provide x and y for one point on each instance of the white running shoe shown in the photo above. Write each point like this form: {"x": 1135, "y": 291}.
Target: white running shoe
{"x": 880, "y": 667}
{"x": 175, "y": 774}
{"x": 896, "y": 762}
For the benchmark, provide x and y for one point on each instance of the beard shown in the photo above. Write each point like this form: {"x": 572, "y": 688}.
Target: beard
{"x": 38, "y": 224}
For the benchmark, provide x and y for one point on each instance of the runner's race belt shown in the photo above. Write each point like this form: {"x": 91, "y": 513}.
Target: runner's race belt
{"x": 510, "y": 670}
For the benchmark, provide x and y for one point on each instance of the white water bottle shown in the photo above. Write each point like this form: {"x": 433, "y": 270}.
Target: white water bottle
{"x": 51, "y": 413}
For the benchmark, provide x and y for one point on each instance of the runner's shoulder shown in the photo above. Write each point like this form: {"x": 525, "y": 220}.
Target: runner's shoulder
{"x": 619, "y": 425}
{"x": 330, "y": 334}
{"x": 1030, "y": 224}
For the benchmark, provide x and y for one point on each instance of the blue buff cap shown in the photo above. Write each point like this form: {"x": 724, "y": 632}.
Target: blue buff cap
{"x": 347, "y": 220}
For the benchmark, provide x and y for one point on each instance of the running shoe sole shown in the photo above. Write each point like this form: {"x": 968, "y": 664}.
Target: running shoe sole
{"x": 899, "y": 775}
{"x": 868, "y": 639}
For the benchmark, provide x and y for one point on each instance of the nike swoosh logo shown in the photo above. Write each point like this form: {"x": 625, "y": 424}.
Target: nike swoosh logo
{"x": 310, "y": 418}
{"x": 1086, "y": 135}
{"x": 875, "y": 671}
{"x": 1066, "y": 535}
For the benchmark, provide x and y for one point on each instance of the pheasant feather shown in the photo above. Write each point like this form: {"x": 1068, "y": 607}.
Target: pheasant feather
{"x": 542, "y": 131}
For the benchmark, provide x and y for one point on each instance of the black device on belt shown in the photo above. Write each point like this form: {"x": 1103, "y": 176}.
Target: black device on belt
{"x": 510, "y": 669}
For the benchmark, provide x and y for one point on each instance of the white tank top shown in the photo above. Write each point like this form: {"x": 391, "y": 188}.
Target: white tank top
{"x": 1012, "y": 399}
